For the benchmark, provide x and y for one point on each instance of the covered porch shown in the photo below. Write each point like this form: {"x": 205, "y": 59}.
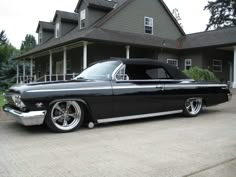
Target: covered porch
{"x": 66, "y": 62}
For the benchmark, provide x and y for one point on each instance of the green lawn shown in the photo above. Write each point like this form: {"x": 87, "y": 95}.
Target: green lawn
{"x": 1, "y": 99}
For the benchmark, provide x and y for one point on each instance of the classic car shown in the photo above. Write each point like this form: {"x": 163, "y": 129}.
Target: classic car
{"x": 112, "y": 90}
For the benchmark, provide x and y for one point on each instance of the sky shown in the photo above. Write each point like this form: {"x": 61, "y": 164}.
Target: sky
{"x": 20, "y": 17}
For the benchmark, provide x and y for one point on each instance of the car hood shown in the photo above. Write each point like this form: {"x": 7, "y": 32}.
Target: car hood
{"x": 21, "y": 88}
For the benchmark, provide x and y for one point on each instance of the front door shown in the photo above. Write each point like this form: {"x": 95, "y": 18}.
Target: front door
{"x": 138, "y": 89}
{"x": 136, "y": 98}
{"x": 59, "y": 67}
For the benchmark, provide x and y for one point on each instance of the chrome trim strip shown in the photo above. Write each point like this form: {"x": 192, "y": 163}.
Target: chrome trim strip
{"x": 135, "y": 87}
{"x": 131, "y": 87}
{"x": 193, "y": 85}
{"x": 159, "y": 80}
{"x": 115, "y": 119}
{"x": 76, "y": 89}
{"x": 113, "y": 76}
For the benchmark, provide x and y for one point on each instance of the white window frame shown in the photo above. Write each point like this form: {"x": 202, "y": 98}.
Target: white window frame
{"x": 57, "y": 30}
{"x": 151, "y": 20}
{"x": 82, "y": 17}
{"x": 187, "y": 63}
{"x": 173, "y": 60}
{"x": 40, "y": 37}
{"x": 220, "y": 65}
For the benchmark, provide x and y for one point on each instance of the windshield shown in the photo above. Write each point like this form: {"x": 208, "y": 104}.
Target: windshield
{"x": 99, "y": 71}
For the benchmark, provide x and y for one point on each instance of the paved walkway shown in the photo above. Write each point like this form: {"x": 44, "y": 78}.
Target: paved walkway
{"x": 171, "y": 146}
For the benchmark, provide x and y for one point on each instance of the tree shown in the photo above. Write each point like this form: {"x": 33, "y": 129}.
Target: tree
{"x": 28, "y": 44}
{"x": 7, "y": 51}
{"x": 223, "y": 13}
{"x": 176, "y": 14}
{"x": 3, "y": 38}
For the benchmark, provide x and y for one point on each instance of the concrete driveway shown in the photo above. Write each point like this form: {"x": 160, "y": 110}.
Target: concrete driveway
{"x": 171, "y": 146}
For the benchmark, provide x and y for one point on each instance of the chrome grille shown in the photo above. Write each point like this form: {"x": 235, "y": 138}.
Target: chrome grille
{"x": 9, "y": 99}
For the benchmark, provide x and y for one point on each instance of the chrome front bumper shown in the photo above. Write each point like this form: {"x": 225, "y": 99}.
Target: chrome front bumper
{"x": 27, "y": 119}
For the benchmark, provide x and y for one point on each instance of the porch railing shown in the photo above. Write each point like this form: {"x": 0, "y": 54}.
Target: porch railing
{"x": 57, "y": 77}
{"x": 26, "y": 79}
{"x": 46, "y": 78}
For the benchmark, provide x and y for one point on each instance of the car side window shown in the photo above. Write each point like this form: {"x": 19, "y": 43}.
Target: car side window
{"x": 145, "y": 72}
{"x": 121, "y": 75}
{"x": 158, "y": 73}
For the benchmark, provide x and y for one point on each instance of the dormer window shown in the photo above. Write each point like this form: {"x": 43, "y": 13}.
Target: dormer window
{"x": 82, "y": 18}
{"x": 40, "y": 37}
{"x": 148, "y": 25}
{"x": 57, "y": 30}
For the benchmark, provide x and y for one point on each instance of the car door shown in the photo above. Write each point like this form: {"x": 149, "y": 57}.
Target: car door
{"x": 135, "y": 92}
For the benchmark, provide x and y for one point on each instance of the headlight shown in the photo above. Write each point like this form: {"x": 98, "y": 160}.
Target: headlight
{"x": 17, "y": 101}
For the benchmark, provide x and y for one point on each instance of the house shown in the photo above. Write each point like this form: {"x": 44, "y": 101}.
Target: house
{"x": 100, "y": 29}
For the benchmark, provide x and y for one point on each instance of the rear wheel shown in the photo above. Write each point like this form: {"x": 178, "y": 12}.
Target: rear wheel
{"x": 64, "y": 116}
{"x": 193, "y": 106}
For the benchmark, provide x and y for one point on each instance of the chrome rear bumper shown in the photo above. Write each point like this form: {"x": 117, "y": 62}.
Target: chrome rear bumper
{"x": 27, "y": 119}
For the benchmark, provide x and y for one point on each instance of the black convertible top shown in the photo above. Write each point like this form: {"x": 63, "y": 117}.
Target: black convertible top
{"x": 174, "y": 72}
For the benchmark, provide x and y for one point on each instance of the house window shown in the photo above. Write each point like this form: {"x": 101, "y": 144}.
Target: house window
{"x": 57, "y": 30}
{"x": 148, "y": 25}
{"x": 68, "y": 66}
{"x": 173, "y": 62}
{"x": 217, "y": 65}
{"x": 40, "y": 37}
{"x": 188, "y": 64}
{"x": 82, "y": 18}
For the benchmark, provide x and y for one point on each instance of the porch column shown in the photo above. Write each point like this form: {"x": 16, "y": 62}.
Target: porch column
{"x": 64, "y": 62}
{"x": 24, "y": 71}
{"x": 50, "y": 65}
{"x": 85, "y": 50}
{"x": 17, "y": 73}
{"x": 31, "y": 68}
{"x": 127, "y": 52}
{"x": 234, "y": 69}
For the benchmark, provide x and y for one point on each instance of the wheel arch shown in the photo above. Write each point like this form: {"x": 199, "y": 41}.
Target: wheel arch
{"x": 88, "y": 114}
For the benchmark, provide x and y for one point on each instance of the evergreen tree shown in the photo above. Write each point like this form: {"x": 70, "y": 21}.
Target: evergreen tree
{"x": 3, "y": 38}
{"x": 223, "y": 13}
{"x": 28, "y": 44}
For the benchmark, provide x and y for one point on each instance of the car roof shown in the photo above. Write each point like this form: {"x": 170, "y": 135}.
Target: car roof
{"x": 173, "y": 71}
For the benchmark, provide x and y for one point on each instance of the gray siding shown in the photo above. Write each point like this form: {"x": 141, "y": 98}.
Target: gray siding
{"x": 82, "y": 7}
{"x": 195, "y": 56}
{"x": 163, "y": 56}
{"x": 47, "y": 35}
{"x": 225, "y": 56}
{"x": 94, "y": 15}
{"x": 131, "y": 19}
{"x": 66, "y": 27}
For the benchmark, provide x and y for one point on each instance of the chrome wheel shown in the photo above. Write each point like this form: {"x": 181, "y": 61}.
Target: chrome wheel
{"x": 66, "y": 115}
{"x": 193, "y": 106}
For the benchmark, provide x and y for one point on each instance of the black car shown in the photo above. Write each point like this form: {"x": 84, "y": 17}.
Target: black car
{"x": 112, "y": 90}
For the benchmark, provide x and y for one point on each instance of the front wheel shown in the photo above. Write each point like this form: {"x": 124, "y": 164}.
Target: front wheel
{"x": 192, "y": 107}
{"x": 64, "y": 116}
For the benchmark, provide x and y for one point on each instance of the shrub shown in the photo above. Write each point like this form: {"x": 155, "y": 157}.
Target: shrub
{"x": 197, "y": 73}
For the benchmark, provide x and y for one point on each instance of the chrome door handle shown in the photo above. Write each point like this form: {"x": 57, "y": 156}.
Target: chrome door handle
{"x": 160, "y": 87}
